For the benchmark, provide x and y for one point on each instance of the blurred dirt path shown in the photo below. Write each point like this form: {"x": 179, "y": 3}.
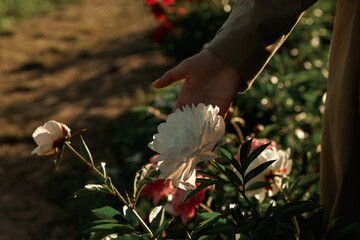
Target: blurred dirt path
{"x": 82, "y": 65}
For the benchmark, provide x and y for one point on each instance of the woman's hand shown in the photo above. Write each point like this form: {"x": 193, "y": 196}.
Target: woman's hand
{"x": 208, "y": 80}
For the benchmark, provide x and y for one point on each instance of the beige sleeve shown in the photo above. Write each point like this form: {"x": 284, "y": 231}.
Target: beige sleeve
{"x": 253, "y": 32}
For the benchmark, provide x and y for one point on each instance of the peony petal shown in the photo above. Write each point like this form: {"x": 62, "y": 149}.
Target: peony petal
{"x": 190, "y": 183}
{"x": 44, "y": 150}
{"x": 185, "y": 139}
{"x": 41, "y": 136}
{"x": 189, "y": 170}
{"x": 54, "y": 128}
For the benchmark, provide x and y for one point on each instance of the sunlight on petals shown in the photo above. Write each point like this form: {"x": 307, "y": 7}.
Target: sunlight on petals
{"x": 186, "y": 139}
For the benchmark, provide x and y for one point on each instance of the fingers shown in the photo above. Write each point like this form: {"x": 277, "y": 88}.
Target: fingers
{"x": 176, "y": 74}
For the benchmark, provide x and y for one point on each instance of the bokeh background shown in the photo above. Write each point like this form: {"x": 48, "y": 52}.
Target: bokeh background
{"x": 90, "y": 64}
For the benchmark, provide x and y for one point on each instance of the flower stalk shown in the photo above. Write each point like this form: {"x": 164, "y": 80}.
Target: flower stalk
{"x": 242, "y": 192}
{"x": 117, "y": 193}
{"x": 238, "y": 131}
{"x": 142, "y": 222}
{"x": 287, "y": 200}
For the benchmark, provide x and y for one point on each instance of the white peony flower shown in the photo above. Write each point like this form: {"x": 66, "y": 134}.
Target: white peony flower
{"x": 186, "y": 139}
{"x": 274, "y": 173}
{"x": 48, "y": 136}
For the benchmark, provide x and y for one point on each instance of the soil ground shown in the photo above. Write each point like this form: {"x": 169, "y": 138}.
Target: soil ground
{"x": 82, "y": 65}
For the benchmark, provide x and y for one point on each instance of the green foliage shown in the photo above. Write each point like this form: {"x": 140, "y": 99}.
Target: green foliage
{"x": 287, "y": 97}
{"x": 188, "y": 31}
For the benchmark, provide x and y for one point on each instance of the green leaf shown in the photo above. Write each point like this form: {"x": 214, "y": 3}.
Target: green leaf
{"x": 257, "y": 185}
{"x": 209, "y": 175}
{"x": 158, "y": 220}
{"x": 154, "y": 173}
{"x": 106, "y": 212}
{"x": 295, "y": 208}
{"x": 236, "y": 213}
{"x": 204, "y": 225}
{"x": 162, "y": 227}
{"x": 207, "y": 237}
{"x": 140, "y": 175}
{"x": 219, "y": 228}
{"x": 243, "y": 227}
{"x": 345, "y": 230}
{"x": 103, "y": 221}
{"x": 264, "y": 229}
{"x": 85, "y": 152}
{"x": 208, "y": 215}
{"x": 304, "y": 181}
{"x": 232, "y": 160}
{"x": 256, "y": 171}
{"x": 254, "y": 155}
{"x": 111, "y": 227}
{"x": 130, "y": 217}
{"x": 225, "y": 153}
{"x": 145, "y": 181}
{"x": 92, "y": 189}
{"x": 205, "y": 183}
{"x": 229, "y": 173}
{"x": 269, "y": 210}
{"x": 244, "y": 152}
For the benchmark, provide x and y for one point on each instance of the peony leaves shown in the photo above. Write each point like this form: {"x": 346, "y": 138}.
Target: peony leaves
{"x": 204, "y": 183}
{"x": 246, "y": 158}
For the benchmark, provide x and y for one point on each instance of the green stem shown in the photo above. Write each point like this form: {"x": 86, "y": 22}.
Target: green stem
{"x": 142, "y": 222}
{"x": 114, "y": 188}
{"x": 239, "y": 132}
{"x": 84, "y": 160}
{"x": 242, "y": 192}
{"x": 137, "y": 196}
{"x": 294, "y": 219}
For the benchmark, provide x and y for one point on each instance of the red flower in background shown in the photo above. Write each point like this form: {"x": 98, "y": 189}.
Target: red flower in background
{"x": 158, "y": 190}
{"x": 169, "y": 2}
{"x": 185, "y": 210}
{"x": 150, "y": 2}
{"x": 160, "y": 32}
{"x": 166, "y": 2}
{"x": 159, "y": 12}
{"x": 181, "y": 10}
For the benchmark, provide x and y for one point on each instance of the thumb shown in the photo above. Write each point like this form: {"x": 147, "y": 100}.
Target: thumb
{"x": 176, "y": 74}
